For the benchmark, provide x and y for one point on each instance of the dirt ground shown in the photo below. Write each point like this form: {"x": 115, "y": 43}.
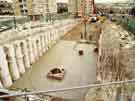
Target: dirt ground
{"x": 74, "y": 34}
{"x": 92, "y": 30}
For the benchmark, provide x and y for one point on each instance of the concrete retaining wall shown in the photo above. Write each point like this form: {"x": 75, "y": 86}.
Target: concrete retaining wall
{"x": 19, "y": 53}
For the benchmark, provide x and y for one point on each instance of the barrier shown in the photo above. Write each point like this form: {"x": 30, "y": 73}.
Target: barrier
{"x": 11, "y": 59}
{"x": 24, "y": 49}
{"x": 4, "y": 71}
{"x": 19, "y": 57}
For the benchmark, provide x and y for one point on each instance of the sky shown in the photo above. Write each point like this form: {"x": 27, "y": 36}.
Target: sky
{"x": 65, "y": 1}
{"x": 100, "y": 1}
{"x": 7, "y": 0}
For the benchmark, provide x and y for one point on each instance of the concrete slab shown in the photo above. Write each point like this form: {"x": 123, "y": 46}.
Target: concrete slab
{"x": 80, "y": 70}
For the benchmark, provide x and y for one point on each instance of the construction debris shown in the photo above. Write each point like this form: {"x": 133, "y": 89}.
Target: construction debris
{"x": 56, "y": 73}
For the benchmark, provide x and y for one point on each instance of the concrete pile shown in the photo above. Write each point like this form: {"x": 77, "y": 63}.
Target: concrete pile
{"x": 94, "y": 31}
{"x": 116, "y": 54}
{"x": 23, "y": 48}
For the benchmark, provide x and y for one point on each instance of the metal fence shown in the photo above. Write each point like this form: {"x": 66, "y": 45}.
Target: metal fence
{"x": 10, "y": 22}
{"x": 128, "y": 22}
{"x": 54, "y": 16}
{"x": 13, "y": 22}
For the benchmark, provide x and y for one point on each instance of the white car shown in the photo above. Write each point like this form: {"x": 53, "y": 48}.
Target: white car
{"x": 93, "y": 19}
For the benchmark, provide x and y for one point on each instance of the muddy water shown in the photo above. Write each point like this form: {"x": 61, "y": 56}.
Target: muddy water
{"x": 80, "y": 70}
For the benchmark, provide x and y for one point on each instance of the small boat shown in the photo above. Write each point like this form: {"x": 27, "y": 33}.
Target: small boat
{"x": 56, "y": 73}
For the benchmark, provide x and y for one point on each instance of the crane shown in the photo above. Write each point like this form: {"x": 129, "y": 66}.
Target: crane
{"x": 94, "y": 6}
{"x": 84, "y": 14}
{"x": 84, "y": 17}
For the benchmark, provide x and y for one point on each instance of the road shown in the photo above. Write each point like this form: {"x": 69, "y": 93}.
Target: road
{"x": 80, "y": 70}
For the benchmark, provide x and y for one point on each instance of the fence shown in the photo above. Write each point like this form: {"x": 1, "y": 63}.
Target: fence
{"x": 128, "y": 22}
{"x": 111, "y": 91}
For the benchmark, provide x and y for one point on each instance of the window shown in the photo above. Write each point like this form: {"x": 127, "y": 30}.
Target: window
{"x": 21, "y": 6}
{"x": 22, "y": 11}
{"x": 26, "y": 11}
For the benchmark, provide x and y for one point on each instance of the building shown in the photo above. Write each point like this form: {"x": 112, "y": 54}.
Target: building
{"x": 5, "y": 8}
{"x": 22, "y": 7}
{"x": 52, "y": 6}
{"x": 44, "y": 7}
{"x": 117, "y": 8}
{"x": 29, "y": 6}
{"x": 62, "y": 7}
{"x": 16, "y": 7}
{"x": 89, "y": 7}
{"x": 76, "y": 6}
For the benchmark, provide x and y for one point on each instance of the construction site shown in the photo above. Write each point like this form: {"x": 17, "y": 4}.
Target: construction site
{"x": 67, "y": 50}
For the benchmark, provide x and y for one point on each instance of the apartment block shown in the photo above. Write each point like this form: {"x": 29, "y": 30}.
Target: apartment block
{"x": 78, "y": 5}
{"x": 6, "y": 8}
{"x": 44, "y": 6}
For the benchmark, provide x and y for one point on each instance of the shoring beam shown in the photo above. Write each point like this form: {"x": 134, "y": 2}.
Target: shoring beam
{"x": 17, "y": 94}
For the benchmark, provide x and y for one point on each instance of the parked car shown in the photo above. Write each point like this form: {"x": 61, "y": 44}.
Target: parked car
{"x": 93, "y": 19}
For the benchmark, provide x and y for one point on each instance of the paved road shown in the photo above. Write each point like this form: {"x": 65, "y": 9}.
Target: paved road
{"x": 80, "y": 70}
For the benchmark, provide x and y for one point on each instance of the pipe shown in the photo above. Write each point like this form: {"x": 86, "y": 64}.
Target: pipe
{"x": 67, "y": 89}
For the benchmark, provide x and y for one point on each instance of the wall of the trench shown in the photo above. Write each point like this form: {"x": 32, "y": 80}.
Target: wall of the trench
{"x": 17, "y": 56}
{"x": 116, "y": 54}
{"x": 116, "y": 61}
